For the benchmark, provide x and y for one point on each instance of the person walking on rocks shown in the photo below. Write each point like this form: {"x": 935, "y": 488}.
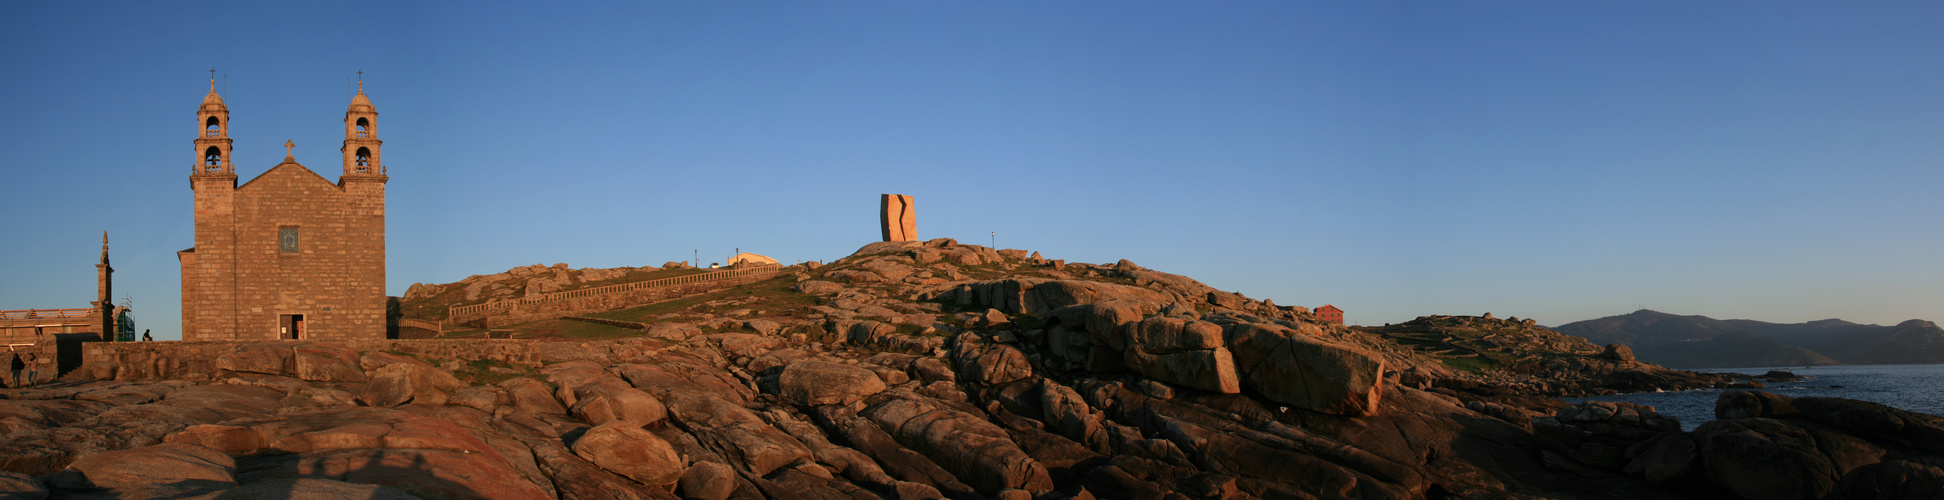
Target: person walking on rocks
{"x": 17, "y": 367}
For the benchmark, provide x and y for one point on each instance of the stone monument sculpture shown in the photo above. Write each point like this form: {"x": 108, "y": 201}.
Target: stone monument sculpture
{"x": 896, "y": 218}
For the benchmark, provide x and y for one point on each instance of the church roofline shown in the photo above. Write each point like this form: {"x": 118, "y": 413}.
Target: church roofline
{"x": 299, "y": 167}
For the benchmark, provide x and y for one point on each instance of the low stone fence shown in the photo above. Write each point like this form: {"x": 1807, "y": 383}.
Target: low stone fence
{"x": 608, "y": 322}
{"x": 434, "y": 326}
{"x": 205, "y": 360}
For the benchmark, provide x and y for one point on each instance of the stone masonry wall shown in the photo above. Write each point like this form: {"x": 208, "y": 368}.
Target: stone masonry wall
{"x": 47, "y": 355}
{"x": 206, "y": 360}
{"x": 208, "y": 289}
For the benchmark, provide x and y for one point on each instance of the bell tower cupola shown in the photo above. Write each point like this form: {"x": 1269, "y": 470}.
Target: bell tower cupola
{"x": 361, "y": 145}
{"x": 212, "y": 135}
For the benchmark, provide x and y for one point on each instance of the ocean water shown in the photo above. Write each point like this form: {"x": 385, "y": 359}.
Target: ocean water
{"x": 1918, "y": 388}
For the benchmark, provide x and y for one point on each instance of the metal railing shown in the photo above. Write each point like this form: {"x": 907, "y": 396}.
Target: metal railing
{"x": 78, "y": 312}
{"x": 509, "y": 304}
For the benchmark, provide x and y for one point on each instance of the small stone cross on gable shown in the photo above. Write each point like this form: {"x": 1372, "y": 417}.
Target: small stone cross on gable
{"x": 289, "y": 149}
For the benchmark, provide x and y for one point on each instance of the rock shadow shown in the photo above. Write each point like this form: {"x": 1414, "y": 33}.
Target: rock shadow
{"x": 348, "y": 473}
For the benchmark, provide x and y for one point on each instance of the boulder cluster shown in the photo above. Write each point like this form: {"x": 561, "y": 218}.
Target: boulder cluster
{"x": 1761, "y": 445}
{"x": 914, "y": 370}
{"x": 1512, "y": 357}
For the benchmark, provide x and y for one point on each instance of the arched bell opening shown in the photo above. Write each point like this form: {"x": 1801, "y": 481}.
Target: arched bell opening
{"x": 212, "y": 159}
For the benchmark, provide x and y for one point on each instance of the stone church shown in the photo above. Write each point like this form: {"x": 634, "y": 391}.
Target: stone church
{"x": 289, "y": 254}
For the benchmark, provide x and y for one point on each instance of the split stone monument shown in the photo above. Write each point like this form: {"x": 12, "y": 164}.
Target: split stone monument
{"x": 898, "y": 221}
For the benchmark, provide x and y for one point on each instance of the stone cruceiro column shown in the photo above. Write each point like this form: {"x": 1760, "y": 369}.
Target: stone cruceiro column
{"x": 896, "y": 218}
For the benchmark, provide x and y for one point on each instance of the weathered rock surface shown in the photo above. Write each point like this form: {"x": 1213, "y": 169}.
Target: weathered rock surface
{"x": 175, "y": 467}
{"x": 21, "y": 486}
{"x": 1306, "y": 372}
{"x": 327, "y": 362}
{"x": 623, "y": 448}
{"x": 287, "y": 489}
{"x": 708, "y": 481}
{"x": 813, "y": 383}
{"x": 733, "y": 432}
{"x": 400, "y": 383}
{"x": 270, "y": 358}
{"x": 941, "y": 370}
{"x": 972, "y": 449}
{"x": 673, "y": 331}
{"x": 818, "y": 287}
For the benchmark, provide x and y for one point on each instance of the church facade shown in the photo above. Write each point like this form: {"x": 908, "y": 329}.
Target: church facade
{"x": 289, "y": 254}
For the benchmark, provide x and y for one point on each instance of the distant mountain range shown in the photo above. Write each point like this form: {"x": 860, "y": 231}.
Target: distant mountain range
{"x": 1702, "y": 342}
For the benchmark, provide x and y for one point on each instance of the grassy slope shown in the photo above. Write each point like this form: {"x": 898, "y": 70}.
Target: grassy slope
{"x": 772, "y": 296}
{"x": 435, "y": 307}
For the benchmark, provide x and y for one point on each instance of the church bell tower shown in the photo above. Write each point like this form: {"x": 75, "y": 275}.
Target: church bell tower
{"x": 361, "y": 144}
{"x": 212, "y": 136}
{"x": 213, "y": 178}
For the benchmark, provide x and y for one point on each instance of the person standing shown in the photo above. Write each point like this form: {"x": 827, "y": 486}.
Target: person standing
{"x": 17, "y": 367}
{"x": 33, "y": 369}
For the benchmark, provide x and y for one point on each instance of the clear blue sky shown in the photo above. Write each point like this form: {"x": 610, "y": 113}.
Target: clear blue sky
{"x": 1554, "y": 160}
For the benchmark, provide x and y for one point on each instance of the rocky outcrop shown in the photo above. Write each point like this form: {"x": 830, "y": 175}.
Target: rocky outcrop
{"x": 673, "y": 331}
{"x": 1503, "y": 357}
{"x": 612, "y": 400}
{"x": 967, "y": 446}
{"x": 708, "y": 481}
{"x": 400, "y": 383}
{"x": 327, "y": 363}
{"x": 1768, "y": 446}
{"x": 817, "y": 287}
{"x": 942, "y": 370}
{"x": 169, "y": 469}
{"x": 1618, "y": 352}
{"x": 814, "y": 383}
{"x": 734, "y": 433}
{"x": 1181, "y": 352}
{"x": 1304, "y": 371}
{"x": 1599, "y": 434}
{"x": 623, "y": 448}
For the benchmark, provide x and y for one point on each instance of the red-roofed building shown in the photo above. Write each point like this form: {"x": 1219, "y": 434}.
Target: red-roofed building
{"x": 1329, "y": 314}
